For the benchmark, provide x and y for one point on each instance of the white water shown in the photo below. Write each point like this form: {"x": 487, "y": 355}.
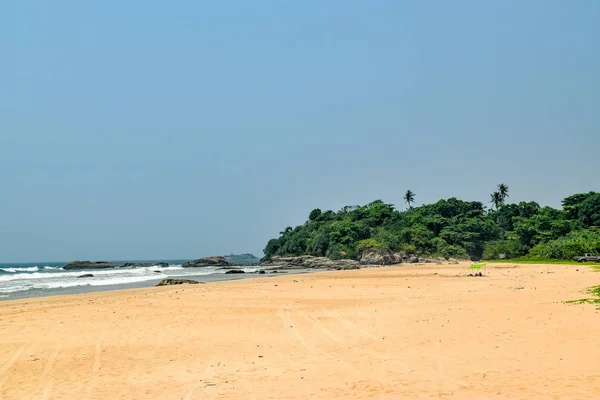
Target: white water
{"x": 15, "y": 270}
{"x": 27, "y": 279}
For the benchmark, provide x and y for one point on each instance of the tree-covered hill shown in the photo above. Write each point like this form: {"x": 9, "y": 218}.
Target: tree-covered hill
{"x": 449, "y": 228}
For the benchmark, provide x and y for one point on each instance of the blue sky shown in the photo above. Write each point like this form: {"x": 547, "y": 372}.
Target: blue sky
{"x": 152, "y": 129}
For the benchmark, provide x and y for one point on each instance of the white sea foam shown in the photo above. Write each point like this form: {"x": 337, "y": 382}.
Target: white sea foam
{"x": 57, "y": 278}
{"x": 17, "y": 270}
{"x": 72, "y": 273}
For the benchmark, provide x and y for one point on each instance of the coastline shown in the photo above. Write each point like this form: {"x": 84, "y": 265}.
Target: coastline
{"x": 82, "y": 290}
{"x": 388, "y": 332}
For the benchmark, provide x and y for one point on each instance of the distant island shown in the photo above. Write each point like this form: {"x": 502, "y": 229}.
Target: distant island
{"x": 245, "y": 258}
{"x": 449, "y": 228}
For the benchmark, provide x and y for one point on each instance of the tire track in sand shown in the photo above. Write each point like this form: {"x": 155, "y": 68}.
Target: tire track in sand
{"x": 378, "y": 382}
{"x": 47, "y": 368}
{"x": 286, "y": 316}
{"x": 96, "y": 365}
{"x": 352, "y": 326}
{"x": 13, "y": 359}
{"x": 288, "y": 321}
{"x": 196, "y": 385}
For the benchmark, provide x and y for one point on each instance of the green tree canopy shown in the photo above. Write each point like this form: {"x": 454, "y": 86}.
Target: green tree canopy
{"x": 589, "y": 211}
{"x": 447, "y": 228}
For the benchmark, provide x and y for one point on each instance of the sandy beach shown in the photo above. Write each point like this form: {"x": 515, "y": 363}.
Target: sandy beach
{"x": 410, "y": 332}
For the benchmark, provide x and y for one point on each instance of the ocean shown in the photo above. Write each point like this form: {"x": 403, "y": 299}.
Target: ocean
{"x": 43, "y": 279}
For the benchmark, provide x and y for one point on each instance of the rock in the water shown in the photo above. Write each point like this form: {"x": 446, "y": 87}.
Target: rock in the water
{"x": 86, "y": 276}
{"x": 167, "y": 282}
{"x": 144, "y": 265}
{"x": 103, "y": 264}
{"x": 235, "y": 271}
{"x": 207, "y": 262}
{"x": 89, "y": 265}
{"x": 261, "y": 272}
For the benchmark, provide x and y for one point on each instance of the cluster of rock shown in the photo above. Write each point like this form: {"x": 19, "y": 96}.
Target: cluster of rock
{"x": 370, "y": 257}
{"x": 216, "y": 261}
{"x": 308, "y": 262}
{"x": 104, "y": 265}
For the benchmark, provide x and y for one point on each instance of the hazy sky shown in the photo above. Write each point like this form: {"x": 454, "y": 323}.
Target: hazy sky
{"x": 155, "y": 129}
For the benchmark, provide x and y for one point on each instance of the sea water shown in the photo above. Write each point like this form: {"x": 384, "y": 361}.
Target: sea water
{"x": 43, "y": 279}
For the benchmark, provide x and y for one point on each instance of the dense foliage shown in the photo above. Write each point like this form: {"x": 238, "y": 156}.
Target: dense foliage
{"x": 449, "y": 228}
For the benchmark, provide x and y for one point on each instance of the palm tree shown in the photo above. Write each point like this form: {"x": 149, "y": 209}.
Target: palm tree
{"x": 503, "y": 191}
{"x": 496, "y": 199}
{"x": 409, "y": 198}
{"x": 286, "y": 231}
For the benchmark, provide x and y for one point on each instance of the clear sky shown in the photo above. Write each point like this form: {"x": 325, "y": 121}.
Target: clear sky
{"x": 155, "y": 129}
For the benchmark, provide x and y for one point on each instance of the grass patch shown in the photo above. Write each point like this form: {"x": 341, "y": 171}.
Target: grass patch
{"x": 594, "y": 291}
{"x": 550, "y": 261}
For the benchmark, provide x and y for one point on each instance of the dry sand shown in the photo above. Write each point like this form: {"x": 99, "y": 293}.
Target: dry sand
{"x": 384, "y": 333}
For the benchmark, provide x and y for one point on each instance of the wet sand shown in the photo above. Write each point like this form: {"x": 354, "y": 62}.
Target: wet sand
{"x": 411, "y": 332}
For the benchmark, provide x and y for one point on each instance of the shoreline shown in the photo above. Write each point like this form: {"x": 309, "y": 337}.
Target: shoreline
{"x": 82, "y": 290}
{"x": 389, "y": 332}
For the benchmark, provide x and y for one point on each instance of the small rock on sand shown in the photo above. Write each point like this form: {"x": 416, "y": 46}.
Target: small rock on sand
{"x": 167, "y": 282}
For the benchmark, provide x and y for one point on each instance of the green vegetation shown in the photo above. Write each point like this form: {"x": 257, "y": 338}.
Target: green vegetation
{"x": 594, "y": 291}
{"x": 450, "y": 228}
{"x": 524, "y": 260}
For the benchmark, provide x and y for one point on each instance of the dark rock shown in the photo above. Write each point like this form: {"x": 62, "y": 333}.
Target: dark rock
{"x": 158, "y": 272}
{"x": 86, "y": 276}
{"x": 373, "y": 257}
{"x": 144, "y": 265}
{"x": 168, "y": 282}
{"x": 89, "y": 265}
{"x": 346, "y": 268}
{"x": 207, "y": 262}
{"x": 103, "y": 264}
{"x": 265, "y": 261}
{"x": 261, "y": 272}
{"x": 235, "y": 271}
{"x": 303, "y": 262}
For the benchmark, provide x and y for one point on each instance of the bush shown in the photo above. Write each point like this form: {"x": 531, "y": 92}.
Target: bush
{"x": 443, "y": 249}
{"x": 339, "y": 252}
{"x": 369, "y": 244}
{"x": 569, "y": 246}
{"x": 510, "y": 248}
{"x": 408, "y": 248}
